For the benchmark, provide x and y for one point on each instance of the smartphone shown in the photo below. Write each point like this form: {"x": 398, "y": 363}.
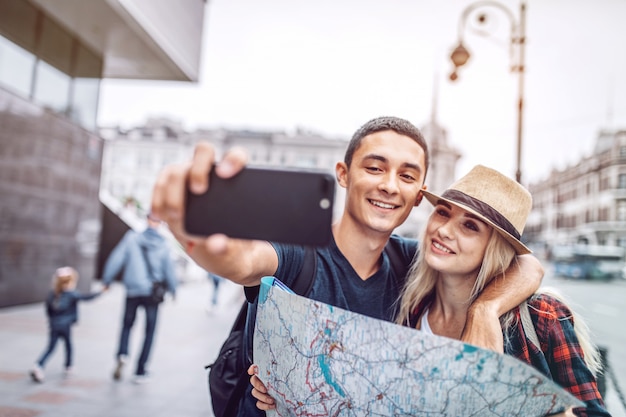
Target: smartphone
{"x": 279, "y": 205}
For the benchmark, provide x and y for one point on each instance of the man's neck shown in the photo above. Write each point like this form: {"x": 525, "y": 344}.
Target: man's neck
{"x": 361, "y": 247}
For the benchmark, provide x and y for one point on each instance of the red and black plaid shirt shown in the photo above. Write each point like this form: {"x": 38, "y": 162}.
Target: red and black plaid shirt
{"x": 562, "y": 358}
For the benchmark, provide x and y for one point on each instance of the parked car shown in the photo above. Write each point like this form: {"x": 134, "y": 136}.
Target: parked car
{"x": 592, "y": 262}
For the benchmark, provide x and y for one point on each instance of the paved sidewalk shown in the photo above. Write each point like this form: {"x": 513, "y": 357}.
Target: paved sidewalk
{"x": 187, "y": 338}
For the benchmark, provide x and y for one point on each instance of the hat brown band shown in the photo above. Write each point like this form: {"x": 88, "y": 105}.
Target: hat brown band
{"x": 483, "y": 208}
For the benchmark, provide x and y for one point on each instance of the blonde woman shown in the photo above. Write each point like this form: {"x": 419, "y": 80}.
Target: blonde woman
{"x": 62, "y": 313}
{"x": 474, "y": 233}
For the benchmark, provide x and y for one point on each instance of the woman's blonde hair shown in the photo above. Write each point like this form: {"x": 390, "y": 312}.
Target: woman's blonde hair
{"x": 499, "y": 255}
{"x": 63, "y": 278}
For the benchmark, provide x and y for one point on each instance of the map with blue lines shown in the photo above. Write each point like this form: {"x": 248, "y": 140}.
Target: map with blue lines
{"x": 319, "y": 360}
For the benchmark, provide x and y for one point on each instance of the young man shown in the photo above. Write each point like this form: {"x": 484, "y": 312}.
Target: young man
{"x": 383, "y": 173}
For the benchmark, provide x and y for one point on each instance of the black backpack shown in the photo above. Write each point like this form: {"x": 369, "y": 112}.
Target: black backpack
{"x": 228, "y": 377}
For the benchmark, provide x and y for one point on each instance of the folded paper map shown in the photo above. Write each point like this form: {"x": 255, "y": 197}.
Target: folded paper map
{"x": 320, "y": 360}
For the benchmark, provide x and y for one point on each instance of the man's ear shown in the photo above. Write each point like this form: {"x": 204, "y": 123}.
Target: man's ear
{"x": 420, "y": 196}
{"x": 341, "y": 173}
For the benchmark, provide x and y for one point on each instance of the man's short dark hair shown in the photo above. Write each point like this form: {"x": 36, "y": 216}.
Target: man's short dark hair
{"x": 379, "y": 124}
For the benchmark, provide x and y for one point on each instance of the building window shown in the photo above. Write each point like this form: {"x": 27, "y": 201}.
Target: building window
{"x": 42, "y": 61}
{"x": 52, "y": 88}
{"x": 16, "y": 67}
{"x": 87, "y": 71}
{"x": 621, "y": 181}
{"x": 306, "y": 160}
{"x": 621, "y": 210}
{"x": 84, "y": 102}
{"x": 144, "y": 161}
{"x": 604, "y": 184}
{"x": 603, "y": 215}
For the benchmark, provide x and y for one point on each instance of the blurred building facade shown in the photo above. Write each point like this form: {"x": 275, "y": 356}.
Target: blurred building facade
{"x": 134, "y": 157}
{"x": 53, "y": 55}
{"x": 584, "y": 203}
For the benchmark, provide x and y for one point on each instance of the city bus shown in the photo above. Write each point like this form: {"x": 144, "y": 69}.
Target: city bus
{"x": 592, "y": 262}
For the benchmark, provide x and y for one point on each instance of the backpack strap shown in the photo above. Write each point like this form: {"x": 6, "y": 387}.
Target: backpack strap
{"x": 305, "y": 279}
{"x": 147, "y": 262}
{"x": 528, "y": 326}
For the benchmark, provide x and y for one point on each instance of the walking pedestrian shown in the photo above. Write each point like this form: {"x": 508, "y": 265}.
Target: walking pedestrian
{"x": 216, "y": 280}
{"x": 145, "y": 261}
{"x": 62, "y": 313}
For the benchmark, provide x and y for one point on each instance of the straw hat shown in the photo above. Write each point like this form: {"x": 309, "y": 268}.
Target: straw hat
{"x": 493, "y": 197}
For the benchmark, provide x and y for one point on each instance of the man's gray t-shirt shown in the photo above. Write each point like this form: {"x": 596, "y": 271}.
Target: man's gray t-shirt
{"x": 337, "y": 283}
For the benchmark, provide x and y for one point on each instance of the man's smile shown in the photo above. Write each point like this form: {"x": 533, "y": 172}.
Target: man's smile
{"x": 382, "y": 204}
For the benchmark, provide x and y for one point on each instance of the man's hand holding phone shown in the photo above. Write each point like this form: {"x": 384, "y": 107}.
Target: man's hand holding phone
{"x": 170, "y": 189}
{"x": 223, "y": 214}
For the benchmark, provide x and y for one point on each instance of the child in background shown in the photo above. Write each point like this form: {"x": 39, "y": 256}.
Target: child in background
{"x": 62, "y": 312}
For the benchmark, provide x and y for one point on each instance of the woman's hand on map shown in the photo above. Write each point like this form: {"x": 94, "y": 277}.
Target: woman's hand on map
{"x": 259, "y": 391}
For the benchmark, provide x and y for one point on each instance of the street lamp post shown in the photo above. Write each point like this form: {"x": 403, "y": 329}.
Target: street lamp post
{"x": 461, "y": 55}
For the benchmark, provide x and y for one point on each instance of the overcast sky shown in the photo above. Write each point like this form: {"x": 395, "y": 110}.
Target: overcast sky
{"x": 331, "y": 65}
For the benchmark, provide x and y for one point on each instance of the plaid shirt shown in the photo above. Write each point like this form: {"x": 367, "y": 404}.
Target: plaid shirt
{"x": 562, "y": 356}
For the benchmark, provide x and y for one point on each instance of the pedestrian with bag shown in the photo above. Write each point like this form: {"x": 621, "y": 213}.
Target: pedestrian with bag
{"x": 383, "y": 173}
{"x": 62, "y": 312}
{"x": 147, "y": 270}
